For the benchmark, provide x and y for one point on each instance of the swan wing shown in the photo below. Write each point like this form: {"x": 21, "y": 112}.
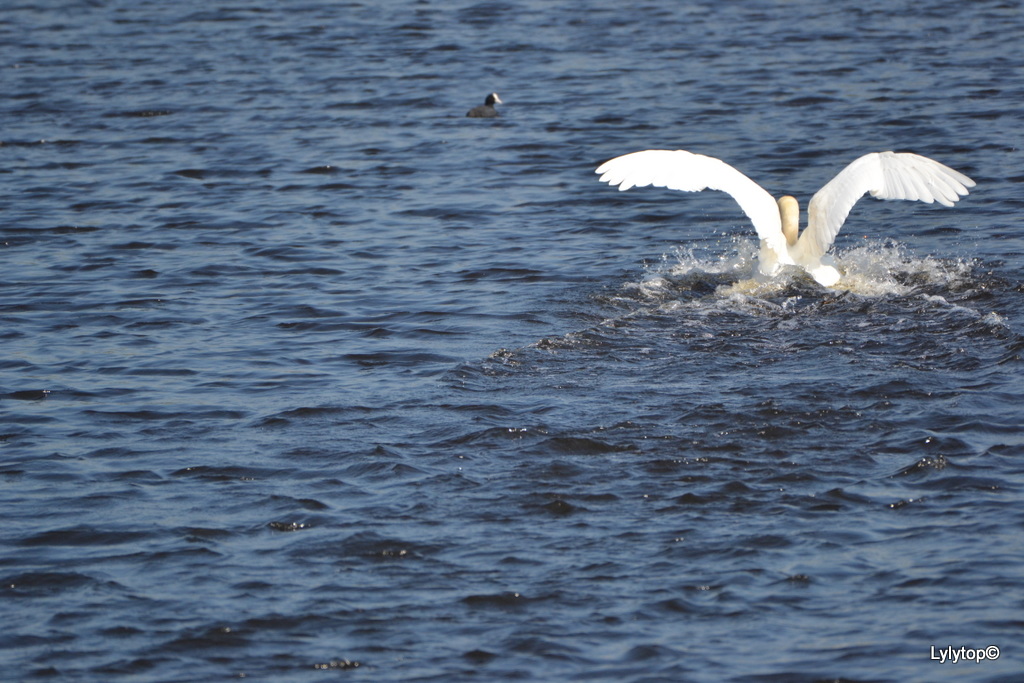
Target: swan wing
{"x": 885, "y": 175}
{"x": 689, "y": 172}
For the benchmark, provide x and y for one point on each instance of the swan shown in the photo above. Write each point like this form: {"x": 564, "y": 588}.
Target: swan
{"x": 886, "y": 175}
{"x": 485, "y": 110}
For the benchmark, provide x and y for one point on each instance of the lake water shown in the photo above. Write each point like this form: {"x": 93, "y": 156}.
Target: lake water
{"x": 308, "y": 377}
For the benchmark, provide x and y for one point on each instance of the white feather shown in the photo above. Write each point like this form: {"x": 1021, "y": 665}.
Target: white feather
{"x": 885, "y": 175}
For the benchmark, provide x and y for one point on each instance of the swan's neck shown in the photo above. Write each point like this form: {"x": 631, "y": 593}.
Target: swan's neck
{"x": 789, "y": 211}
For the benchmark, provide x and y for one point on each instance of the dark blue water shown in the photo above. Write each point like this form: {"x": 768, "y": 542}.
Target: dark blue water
{"x": 307, "y": 377}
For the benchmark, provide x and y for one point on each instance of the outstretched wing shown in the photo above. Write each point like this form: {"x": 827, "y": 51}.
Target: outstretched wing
{"x": 886, "y": 175}
{"x": 682, "y": 170}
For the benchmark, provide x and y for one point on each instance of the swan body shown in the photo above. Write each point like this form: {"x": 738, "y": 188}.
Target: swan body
{"x": 885, "y": 175}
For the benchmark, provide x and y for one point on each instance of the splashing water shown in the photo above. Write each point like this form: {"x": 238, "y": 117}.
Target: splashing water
{"x": 874, "y": 269}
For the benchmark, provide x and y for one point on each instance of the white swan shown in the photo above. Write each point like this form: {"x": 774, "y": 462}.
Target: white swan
{"x": 886, "y": 175}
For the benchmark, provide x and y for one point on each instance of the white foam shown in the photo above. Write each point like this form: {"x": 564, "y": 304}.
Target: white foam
{"x": 873, "y": 269}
